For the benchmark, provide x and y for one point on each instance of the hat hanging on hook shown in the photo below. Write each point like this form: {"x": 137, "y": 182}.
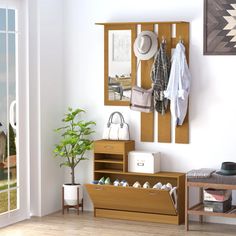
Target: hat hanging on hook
{"x": 145, "y": 45}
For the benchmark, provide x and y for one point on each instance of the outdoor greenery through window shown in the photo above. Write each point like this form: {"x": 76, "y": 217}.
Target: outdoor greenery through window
{"x": 8, "y": 135}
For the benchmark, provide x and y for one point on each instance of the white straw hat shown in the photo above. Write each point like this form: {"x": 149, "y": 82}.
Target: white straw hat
{"x": 145, "y": 45}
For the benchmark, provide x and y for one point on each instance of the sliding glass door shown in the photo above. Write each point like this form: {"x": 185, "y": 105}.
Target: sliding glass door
{"x": 8, "y": 123}
{"x": 11, "y": 181}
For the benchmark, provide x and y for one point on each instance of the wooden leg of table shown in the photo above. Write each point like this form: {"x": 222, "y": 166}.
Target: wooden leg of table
{"x": 186, "y": 205}
{"x": 201, "y": 200}
{"x": 62, "y": 200}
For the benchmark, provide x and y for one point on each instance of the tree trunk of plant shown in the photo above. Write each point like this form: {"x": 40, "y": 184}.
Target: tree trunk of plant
{"x": 72, "y": 175}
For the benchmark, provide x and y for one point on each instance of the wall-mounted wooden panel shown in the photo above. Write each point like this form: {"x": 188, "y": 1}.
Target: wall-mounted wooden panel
{"x": 164, "y": 121}
{"x": 182, "y": 32}
{"x": 147, "y": 119}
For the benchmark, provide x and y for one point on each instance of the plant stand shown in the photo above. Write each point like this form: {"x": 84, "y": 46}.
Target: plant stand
{"x": 77, "y": 206}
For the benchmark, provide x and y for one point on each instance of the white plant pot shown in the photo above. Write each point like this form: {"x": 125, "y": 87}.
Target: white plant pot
{"x": 70, "y": 194}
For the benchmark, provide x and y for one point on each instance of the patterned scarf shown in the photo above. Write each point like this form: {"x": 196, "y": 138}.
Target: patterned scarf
{"x": 160, "y": 77}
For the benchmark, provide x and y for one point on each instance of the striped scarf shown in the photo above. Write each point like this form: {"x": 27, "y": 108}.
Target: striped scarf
{"x": 160, "y": 77}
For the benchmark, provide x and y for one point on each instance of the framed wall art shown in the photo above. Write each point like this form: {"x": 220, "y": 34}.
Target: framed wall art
{"x": 219, "y": 27}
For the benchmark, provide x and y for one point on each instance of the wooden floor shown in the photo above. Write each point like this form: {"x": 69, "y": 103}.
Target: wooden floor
{"x": 85, "y": 224}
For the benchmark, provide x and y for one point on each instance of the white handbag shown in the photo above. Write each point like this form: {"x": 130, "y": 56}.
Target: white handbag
{"x": 116, "y": 131}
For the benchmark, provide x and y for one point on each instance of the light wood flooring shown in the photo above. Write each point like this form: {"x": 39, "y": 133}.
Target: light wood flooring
{"x": 85, "y": 224}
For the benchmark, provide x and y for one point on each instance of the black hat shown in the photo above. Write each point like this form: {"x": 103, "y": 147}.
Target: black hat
{"x": 227, "y": 168}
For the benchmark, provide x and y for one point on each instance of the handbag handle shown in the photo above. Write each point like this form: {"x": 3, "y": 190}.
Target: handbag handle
{"x": 122, "y": 121}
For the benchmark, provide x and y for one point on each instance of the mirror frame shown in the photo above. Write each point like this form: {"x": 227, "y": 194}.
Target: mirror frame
{"x": 133, "y": 29}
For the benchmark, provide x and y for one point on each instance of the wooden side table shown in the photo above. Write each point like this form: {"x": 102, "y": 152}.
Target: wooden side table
{"x": 215, "y": 182}
{"x": 77, "y": 206}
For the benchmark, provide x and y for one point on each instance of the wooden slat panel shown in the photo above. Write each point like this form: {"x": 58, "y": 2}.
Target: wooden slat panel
{"x": 147, "y": 119}
{"x": 164, "y": 121}
{"x": 182, "y": 132}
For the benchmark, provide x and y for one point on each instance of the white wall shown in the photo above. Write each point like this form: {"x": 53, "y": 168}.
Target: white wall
{"x": 212, "y": 101}
{"x": 46, "y": 103}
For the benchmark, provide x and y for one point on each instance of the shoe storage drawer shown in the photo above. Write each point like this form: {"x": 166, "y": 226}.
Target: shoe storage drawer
{"x": 131, "y": 199}
{"x": 109, "y": 147}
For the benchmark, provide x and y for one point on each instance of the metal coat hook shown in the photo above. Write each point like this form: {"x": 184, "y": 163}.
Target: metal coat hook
{"x": 163, "y": 39}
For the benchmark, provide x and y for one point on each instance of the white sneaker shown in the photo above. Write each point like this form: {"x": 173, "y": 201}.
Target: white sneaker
{"x": 116, "y": 182}
{"x": 125, "y": 184}
{"x": 164, "y": 187}
{"x": 146, "y": 185}
{"x": 157, "y": 185}
{"x": 169, "y": 186}
{"x": 137, "y": 185}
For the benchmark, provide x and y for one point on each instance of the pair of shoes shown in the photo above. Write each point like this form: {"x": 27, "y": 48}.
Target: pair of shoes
{"x": 138, "y": 185}
{"x": 106, "y": 181}
{"x": 123, "y": 183}
{"x": 167, "y": 186}
{"x": 159, "y": 185}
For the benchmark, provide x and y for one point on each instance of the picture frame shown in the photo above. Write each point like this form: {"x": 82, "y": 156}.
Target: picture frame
{"x": 219, "y": 27}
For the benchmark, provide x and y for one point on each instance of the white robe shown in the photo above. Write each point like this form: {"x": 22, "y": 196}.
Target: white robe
{"x": 179, "y": 85}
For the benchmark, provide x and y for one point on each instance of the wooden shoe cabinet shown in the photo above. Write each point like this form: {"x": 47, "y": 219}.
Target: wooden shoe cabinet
{"x": 111, "y": 160}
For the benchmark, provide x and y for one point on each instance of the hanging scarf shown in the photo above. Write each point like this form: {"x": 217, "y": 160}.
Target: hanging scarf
{"x": 160, "y": 77}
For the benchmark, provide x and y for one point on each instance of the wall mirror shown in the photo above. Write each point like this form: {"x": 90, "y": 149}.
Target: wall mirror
{"x": 120, "y": 64}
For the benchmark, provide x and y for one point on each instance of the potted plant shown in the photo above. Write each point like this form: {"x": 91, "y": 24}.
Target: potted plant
{"x": 74, "y": 143}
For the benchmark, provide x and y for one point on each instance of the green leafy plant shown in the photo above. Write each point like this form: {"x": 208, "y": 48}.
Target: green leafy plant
{"x": 75, "y": 140}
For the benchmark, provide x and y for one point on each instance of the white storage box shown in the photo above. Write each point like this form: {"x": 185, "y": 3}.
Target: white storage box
{"x": 144, "y": 162}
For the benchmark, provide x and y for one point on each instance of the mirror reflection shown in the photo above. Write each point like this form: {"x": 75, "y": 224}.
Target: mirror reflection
{"x": 119, "y": 65}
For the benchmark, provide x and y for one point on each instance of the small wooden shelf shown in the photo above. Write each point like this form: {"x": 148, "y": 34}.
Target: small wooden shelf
{"x": 199, "y": 210}
{"x": 109, "y": 161}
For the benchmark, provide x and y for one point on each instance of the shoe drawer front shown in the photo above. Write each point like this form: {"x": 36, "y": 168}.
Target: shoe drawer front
{"x": 131, "y": 199}
{"x": 109, "y": 147}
